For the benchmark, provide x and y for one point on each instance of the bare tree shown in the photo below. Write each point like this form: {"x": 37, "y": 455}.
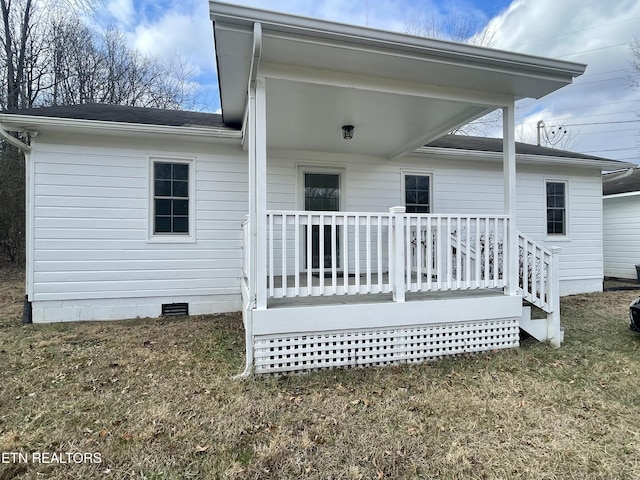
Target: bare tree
{"x": 457, "y": 28}
{"x": 99, "y": 67}
{"x": 48, "y": 56}
{"x": 634, "y": 78}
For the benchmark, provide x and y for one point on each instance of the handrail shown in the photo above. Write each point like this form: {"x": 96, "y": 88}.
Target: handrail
{"x": 536, "y": 273}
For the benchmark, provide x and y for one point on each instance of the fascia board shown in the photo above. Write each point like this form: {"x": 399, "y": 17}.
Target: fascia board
{"x": 621, "y": 195}
{"x": 26, "y": 122}
{"x": 321, "y": 29}
{"x": 478, "y": 155}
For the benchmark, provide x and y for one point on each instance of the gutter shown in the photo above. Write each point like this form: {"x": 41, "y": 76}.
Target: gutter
{"x": 13, "y": 140}
{"x": 75, "y": 123}
{"x": 482, "y": 57}
{"x": 621, "y": 195}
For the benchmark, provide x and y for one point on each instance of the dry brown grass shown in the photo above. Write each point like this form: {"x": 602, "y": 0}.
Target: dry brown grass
{"x": 155, "y": 398}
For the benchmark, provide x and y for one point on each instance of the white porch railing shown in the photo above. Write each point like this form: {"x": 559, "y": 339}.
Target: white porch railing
{"x": 327, "y": 253}
{"x": 455, "y": 252}
{"x": 338, "y": 253}
{"x": 536, "y": 273}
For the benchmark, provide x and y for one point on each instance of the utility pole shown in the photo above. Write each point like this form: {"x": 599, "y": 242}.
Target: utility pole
{"x": 539, "y": 127}
{"x": 557, "y": 133}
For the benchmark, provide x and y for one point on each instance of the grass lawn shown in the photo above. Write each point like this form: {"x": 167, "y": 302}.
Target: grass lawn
{"x": 155, "y": 400}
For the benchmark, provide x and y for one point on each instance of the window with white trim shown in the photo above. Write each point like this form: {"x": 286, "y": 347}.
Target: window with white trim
{"x": 417, "y": 193}
{"x": 556, "y": 208}
{"x": 171, "y": 198}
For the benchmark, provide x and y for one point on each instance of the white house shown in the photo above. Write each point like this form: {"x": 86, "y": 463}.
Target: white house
{"x": 621, "y": 223}
{"x": 327, "y": 202}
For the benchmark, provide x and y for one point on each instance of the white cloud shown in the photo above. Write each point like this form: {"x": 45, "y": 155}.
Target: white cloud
{"x": 591, "y": 32}
{"x": 122, "y": 11}
{"x": 586, "y": 31}
{"x": 189, "y": 36}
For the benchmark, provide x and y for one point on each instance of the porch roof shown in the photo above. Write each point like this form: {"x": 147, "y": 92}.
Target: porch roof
{"x": 325, "y": 75}
{"x": 118, "y": 118}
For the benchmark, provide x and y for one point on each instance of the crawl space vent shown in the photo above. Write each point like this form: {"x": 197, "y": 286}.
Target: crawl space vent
{"x": 175, "y": 309}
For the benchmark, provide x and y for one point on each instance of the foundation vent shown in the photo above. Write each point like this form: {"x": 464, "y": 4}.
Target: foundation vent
{"x": 175, "y": 309}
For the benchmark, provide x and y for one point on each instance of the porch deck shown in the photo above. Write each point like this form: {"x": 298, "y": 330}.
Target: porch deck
{"x": 289, "y": 302}
{"x": 378, "y": 289}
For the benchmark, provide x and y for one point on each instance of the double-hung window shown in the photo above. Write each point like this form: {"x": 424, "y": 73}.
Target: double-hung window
{"x": 417, "y": 193}
{"x": 171, "y": 198}
{"x": 556, "y": 208}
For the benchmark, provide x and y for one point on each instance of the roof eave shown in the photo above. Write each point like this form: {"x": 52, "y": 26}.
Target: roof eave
{"x": 480, "y": 155}
{"x": 15, "y": 122}
{"x": 327, "y": 30}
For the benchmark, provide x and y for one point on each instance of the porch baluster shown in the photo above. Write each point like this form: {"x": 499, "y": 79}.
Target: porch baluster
{"x": 399, "y": 254}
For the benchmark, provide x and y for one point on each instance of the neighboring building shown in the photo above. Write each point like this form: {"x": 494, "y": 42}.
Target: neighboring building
{"x": 361, "y": 245}
{"x": 621, "y": 223}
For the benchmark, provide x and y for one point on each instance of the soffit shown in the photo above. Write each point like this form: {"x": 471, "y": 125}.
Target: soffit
{"x": 296, "y": 110}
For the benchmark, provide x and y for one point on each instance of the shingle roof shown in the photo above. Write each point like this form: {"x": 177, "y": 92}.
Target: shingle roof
{"x": 127, "y": 114}
{"x": 613, "y": 183}
{"x": 182, "y": 118}
{"x": 485, "y": 144}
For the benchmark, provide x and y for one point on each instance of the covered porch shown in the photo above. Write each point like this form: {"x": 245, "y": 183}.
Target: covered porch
{"x": 419, "y": 284}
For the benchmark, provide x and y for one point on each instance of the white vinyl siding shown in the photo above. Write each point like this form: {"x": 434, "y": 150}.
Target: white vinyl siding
{"x": 91, "y": 217}
{"x": 459, "y": 186}
{"x": 91, "y": 210}
{"x": 621, "y": 236}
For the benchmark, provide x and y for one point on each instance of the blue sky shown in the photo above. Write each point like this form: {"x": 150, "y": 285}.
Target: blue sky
{"x": 600, "y": 111}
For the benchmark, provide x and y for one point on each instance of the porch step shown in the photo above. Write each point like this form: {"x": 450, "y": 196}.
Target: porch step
{"x": 536, "y": 327}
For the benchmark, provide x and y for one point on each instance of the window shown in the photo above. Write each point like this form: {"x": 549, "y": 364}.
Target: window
{"x": 322, "y": 191}
{"x": 417, "y": 194}
{"x": 171, "y": 198}
{"x": 556, "y": 208}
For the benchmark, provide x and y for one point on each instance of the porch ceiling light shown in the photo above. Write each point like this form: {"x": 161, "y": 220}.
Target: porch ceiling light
{"x": 347, "y": 132}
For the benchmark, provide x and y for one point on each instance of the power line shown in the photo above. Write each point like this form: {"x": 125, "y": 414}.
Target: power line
{"x": 599, "y": 123}
{"x": 578, "y": 31}
{"x": 591, "y": 50}
{"x": 597, "y": 105}
{"x": 587, "y": 123}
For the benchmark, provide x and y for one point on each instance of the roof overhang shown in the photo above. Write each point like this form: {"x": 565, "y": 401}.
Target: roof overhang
{"x": 34, "y": 123}
{"x": 601, "y": 164}
{"x": 322, "y": 75}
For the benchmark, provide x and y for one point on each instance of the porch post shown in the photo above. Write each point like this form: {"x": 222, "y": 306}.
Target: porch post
{"x": 510, "y": 265}
{"x": 398, "y": 253}
{"x": 261, "y": 193}
{"x": 251, "y": 241}
{"x": 554, "y": 331}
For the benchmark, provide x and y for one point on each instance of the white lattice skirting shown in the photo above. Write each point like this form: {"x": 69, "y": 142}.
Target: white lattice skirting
{"x": 378, "y": 347}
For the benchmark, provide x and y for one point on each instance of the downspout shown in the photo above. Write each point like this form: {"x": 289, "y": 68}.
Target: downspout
{"x": 13, "y": 140}
{"x": 27, "y": 310}
{"x": 251, "y": 124}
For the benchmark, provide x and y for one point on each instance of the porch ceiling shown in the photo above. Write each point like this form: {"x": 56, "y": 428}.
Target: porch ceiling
{"x": 304, "y": 116}
{"x": 399, "y": 91}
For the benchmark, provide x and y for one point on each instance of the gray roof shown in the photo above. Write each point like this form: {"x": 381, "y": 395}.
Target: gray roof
{"x": 127, "y": 114}
{"x": 182, "y": 118}
{"x": 485, "y": 144}
{"x": 617, "y": 182}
